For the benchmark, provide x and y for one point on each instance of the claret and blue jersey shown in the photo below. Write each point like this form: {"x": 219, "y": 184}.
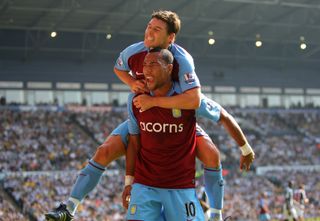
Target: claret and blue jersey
{"x": 131, "y": 59}
{"x": 170, "y": 125}
{"x": 167, "y": 155}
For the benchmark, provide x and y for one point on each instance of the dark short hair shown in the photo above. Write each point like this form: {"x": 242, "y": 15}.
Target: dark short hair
{"x": 169, "y": 17}
{"x": 165, "y": 54}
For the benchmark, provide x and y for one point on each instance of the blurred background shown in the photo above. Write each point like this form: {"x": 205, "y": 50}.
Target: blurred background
{"x": 59, "y": 97}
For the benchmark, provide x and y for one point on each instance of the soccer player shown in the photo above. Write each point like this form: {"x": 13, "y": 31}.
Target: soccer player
{"x": 161, "y": 151}
{"x": 158, "y": 138}
{"x": 161, "y": 31}
{"x": 263, "y": 208}
{"x": 301, "y": 199}
{"x": 290, "y": 210}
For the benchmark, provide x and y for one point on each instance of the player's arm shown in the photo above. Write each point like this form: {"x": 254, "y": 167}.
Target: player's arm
{"x": 304, "y": 197}
{"x": 122, "y": 69}
{"x": 131, "y": 154}
{"x": 136, "y": 86}
{"x": 234, "y": 130}
{"x": 213, "y": 111}
{"x": 132, "y": 150}
{"x": 190, "y": 99}
{"x": 265, "y": 207}
{"x": 190, "y": 95}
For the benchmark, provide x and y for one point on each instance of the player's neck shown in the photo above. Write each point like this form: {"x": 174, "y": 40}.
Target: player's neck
{"x": 163, "y": 91}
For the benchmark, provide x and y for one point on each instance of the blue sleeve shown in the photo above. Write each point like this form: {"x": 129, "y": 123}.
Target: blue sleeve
{"x": 188, "y": 78}
{"x": 261, "y": 202}
{"x": 122, "y": 61}
{"x": 209, "y": 109}
{"x": 132, "y": 123}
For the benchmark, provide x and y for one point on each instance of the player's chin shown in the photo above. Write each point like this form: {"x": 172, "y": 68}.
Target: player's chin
{"x": 147, "y": 43}
{"x": 150, "y": 44}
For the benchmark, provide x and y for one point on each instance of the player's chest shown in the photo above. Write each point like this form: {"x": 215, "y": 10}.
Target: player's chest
{"x": 164, "y": 116}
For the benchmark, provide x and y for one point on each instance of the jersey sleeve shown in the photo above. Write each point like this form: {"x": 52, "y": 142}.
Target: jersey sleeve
{"x": 122, "y": 61}
{"x": 188, "y": 78}
{"x": 209, "y": 109}
{"x": 261, "y": 202}
{"x": 132, "y": 124}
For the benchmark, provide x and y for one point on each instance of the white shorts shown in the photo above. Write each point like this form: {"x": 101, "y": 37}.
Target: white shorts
{"x": 293, "y": 213}
{"x": 300, "y": 210}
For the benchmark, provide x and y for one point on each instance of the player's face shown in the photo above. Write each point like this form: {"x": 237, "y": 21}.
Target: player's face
{"x": 156, "y": 34}
{"x": 156, "y": 72}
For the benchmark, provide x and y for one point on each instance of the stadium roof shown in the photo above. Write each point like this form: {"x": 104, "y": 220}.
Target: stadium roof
{"x": 82, "y": 26}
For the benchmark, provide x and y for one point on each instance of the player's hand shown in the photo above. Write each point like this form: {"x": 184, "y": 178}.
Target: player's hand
{"x": 139, "y": 87}
{"x": 126, "y": 194}
{"x": 246, "y": 161}
{"x": 143, "y": 102}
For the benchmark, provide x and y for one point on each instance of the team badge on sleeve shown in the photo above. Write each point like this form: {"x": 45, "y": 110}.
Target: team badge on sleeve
{"x": 133, "y": 209}
{"x": 189, "y": 78}
{"x": 176, "y": 113}
{"x": 119, "y": 61}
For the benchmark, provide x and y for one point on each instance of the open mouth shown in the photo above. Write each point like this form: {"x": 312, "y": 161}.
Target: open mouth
{"x": 149, "y": 80}
{"x": 149, "y": 39}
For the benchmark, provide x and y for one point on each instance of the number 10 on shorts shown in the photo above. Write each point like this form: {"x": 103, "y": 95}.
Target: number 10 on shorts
{"x": 190, "y": 209}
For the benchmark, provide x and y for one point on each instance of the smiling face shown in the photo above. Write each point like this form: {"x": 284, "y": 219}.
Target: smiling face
{"x": 157, "y": 72}
{"x": 156, "y": 34}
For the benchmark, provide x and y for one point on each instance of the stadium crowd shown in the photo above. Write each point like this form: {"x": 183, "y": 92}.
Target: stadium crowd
{"x": 39, "y": 192}
{"x": 8, "y": 212}
{"x": 56, "y": 144}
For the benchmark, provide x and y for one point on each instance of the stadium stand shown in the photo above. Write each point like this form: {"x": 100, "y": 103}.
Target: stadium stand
{"x": 42, "y": 148}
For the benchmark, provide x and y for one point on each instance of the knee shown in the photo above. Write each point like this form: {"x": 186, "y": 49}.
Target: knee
{"x": 110, "y": 150}
{"x": 102, "y": 154}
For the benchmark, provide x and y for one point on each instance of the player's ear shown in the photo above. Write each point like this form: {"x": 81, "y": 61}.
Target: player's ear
{"x": 172, "y": 37}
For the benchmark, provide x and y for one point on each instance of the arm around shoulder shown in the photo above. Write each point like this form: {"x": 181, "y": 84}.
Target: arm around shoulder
{"x": 189, "y": 99}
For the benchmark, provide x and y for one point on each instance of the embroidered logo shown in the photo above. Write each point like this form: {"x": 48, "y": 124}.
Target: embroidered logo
{"x": 119, "y": 61}
{"x": 189, "y": 78}
{"x": 133, "y": 209}
{"x": 176, "y": 113}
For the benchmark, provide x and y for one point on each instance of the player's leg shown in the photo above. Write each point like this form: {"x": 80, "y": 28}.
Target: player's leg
{"x": 209, "y": 154}
{"x": 300, "y": 213}
{"x": 145, "y": 204}
{"x": 264, "y": 217}
{"x": 181, "y": 205}
{"x": 285, "y": 213}
{"x": 294, "y": 214}
{"x": 89, "y": 177}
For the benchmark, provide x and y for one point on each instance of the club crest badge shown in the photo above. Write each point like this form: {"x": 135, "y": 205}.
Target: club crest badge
{"x": 176, "y": 113}
{"x": 119, "y": 61}
{"x": 133, "y": 209}
{"x": 189, "y": 78}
